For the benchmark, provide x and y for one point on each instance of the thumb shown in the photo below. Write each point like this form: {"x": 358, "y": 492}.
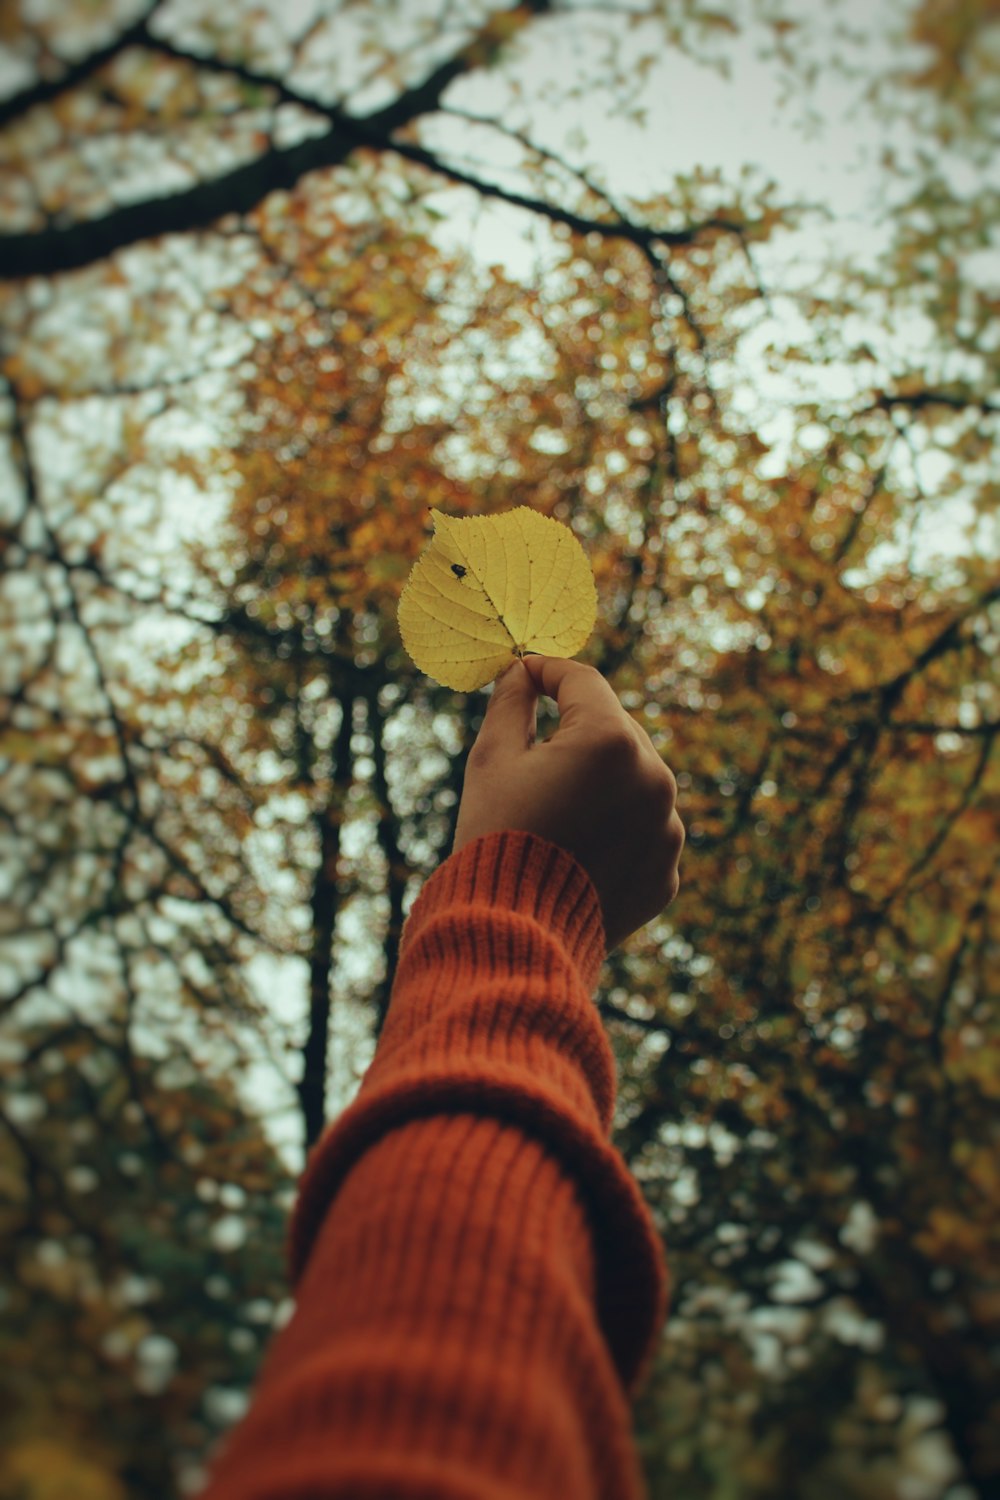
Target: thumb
{"x": 509, "y": 723}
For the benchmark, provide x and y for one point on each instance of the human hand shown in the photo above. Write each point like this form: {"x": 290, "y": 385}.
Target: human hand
{"x": 596, "y": 787}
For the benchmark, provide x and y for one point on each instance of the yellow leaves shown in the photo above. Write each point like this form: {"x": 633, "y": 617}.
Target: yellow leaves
{"x": 951, "y": 1237}
{"x": 717, "y": 20}
{"x": 42, "y": 1468}
{"x": 32, "y": 749}
{"x": 688, "y": 456}
{"x": 953, "y": 32}
{"x": 489, "y": 588}
{"x": 497, "y": 33}
{"x": 980, "y": 1165}
{"x": 27, "y": 382}
{"x": 981, "y": 1067}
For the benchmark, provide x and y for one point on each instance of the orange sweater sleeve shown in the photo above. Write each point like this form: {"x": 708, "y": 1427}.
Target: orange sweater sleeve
{"x": 479, "y": 1283}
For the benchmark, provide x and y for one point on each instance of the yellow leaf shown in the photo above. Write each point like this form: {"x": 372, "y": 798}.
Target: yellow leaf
{"x": 41, "y": 1468}
{"x": 492, "y": 587}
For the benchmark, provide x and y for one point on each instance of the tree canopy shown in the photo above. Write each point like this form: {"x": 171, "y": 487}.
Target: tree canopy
{"x": 278, "y": 279}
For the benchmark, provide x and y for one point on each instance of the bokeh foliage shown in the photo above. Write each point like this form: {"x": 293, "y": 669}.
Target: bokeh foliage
{"x": 245, "y": 351}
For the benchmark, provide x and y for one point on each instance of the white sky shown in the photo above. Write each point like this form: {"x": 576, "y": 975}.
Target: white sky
{"x": 696, "y": 118}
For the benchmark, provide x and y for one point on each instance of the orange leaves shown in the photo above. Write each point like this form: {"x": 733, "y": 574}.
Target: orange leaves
{"x": 954, "y": 1239}
{"x": 26, "y": 381}
{"x": 953, "y": 31}
{"x": 717, "y": 20}
{"x": 499, "y": 30}
{"x": 980, "y": 1066}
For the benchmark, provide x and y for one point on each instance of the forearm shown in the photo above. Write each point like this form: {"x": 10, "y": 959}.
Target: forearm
{"x": 482, "y": 1282}
{"x": 445, "y": 1342}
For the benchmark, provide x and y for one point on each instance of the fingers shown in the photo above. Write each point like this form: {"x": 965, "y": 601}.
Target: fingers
{"x": 676, "y": 839}
{"x": 509, "y": 723}
{"x": 665, "y": 878}
{"x": 582, "y": 695}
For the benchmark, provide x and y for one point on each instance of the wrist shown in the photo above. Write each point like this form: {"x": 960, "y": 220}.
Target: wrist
{"x": 521, "y": 872}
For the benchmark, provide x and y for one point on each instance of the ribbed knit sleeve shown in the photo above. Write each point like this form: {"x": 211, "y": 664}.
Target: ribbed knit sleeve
{"x": 479, "y": 1282}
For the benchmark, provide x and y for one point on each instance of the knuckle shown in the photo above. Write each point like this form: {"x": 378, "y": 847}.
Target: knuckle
{"x": 669, "y": 883}
{"x": 617, "y": 745}
{"x": 664, "y": 789}
{"x": 659, "y": 792}
{"x": 671, "y": 846}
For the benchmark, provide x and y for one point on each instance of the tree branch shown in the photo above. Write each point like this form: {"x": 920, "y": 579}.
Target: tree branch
{"x": 61, "y": 246}
{"x": 646, "y": 238}
{"x": 71, "y": 246}
{"x": 500, "y": 28}
{"x": 919, "y": 400}
{"x": 46, "y": 89}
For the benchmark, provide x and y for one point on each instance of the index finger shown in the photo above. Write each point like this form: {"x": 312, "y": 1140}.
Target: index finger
{"x": 582, "y": 695}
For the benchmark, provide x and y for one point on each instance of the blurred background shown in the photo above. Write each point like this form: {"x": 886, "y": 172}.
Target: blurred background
{"x": 718, "y": 288}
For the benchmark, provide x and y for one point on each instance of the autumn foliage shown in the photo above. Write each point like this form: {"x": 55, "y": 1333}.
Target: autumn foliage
{"x": 232, "y": 394}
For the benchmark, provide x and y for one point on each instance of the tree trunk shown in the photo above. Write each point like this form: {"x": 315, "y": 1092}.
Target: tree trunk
{"x": 397, "y": 870}
{"x": 323, "y": 906}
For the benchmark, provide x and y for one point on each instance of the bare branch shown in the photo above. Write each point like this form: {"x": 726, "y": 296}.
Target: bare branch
{"x": 920, "y": 400}
{"x": 47, "y": 89}
{"x": 64, "y": 246}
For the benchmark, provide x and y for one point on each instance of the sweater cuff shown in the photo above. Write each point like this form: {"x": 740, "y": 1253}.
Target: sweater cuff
{"x": 492, "y": 1014}
{"x": 520, "y": 872}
